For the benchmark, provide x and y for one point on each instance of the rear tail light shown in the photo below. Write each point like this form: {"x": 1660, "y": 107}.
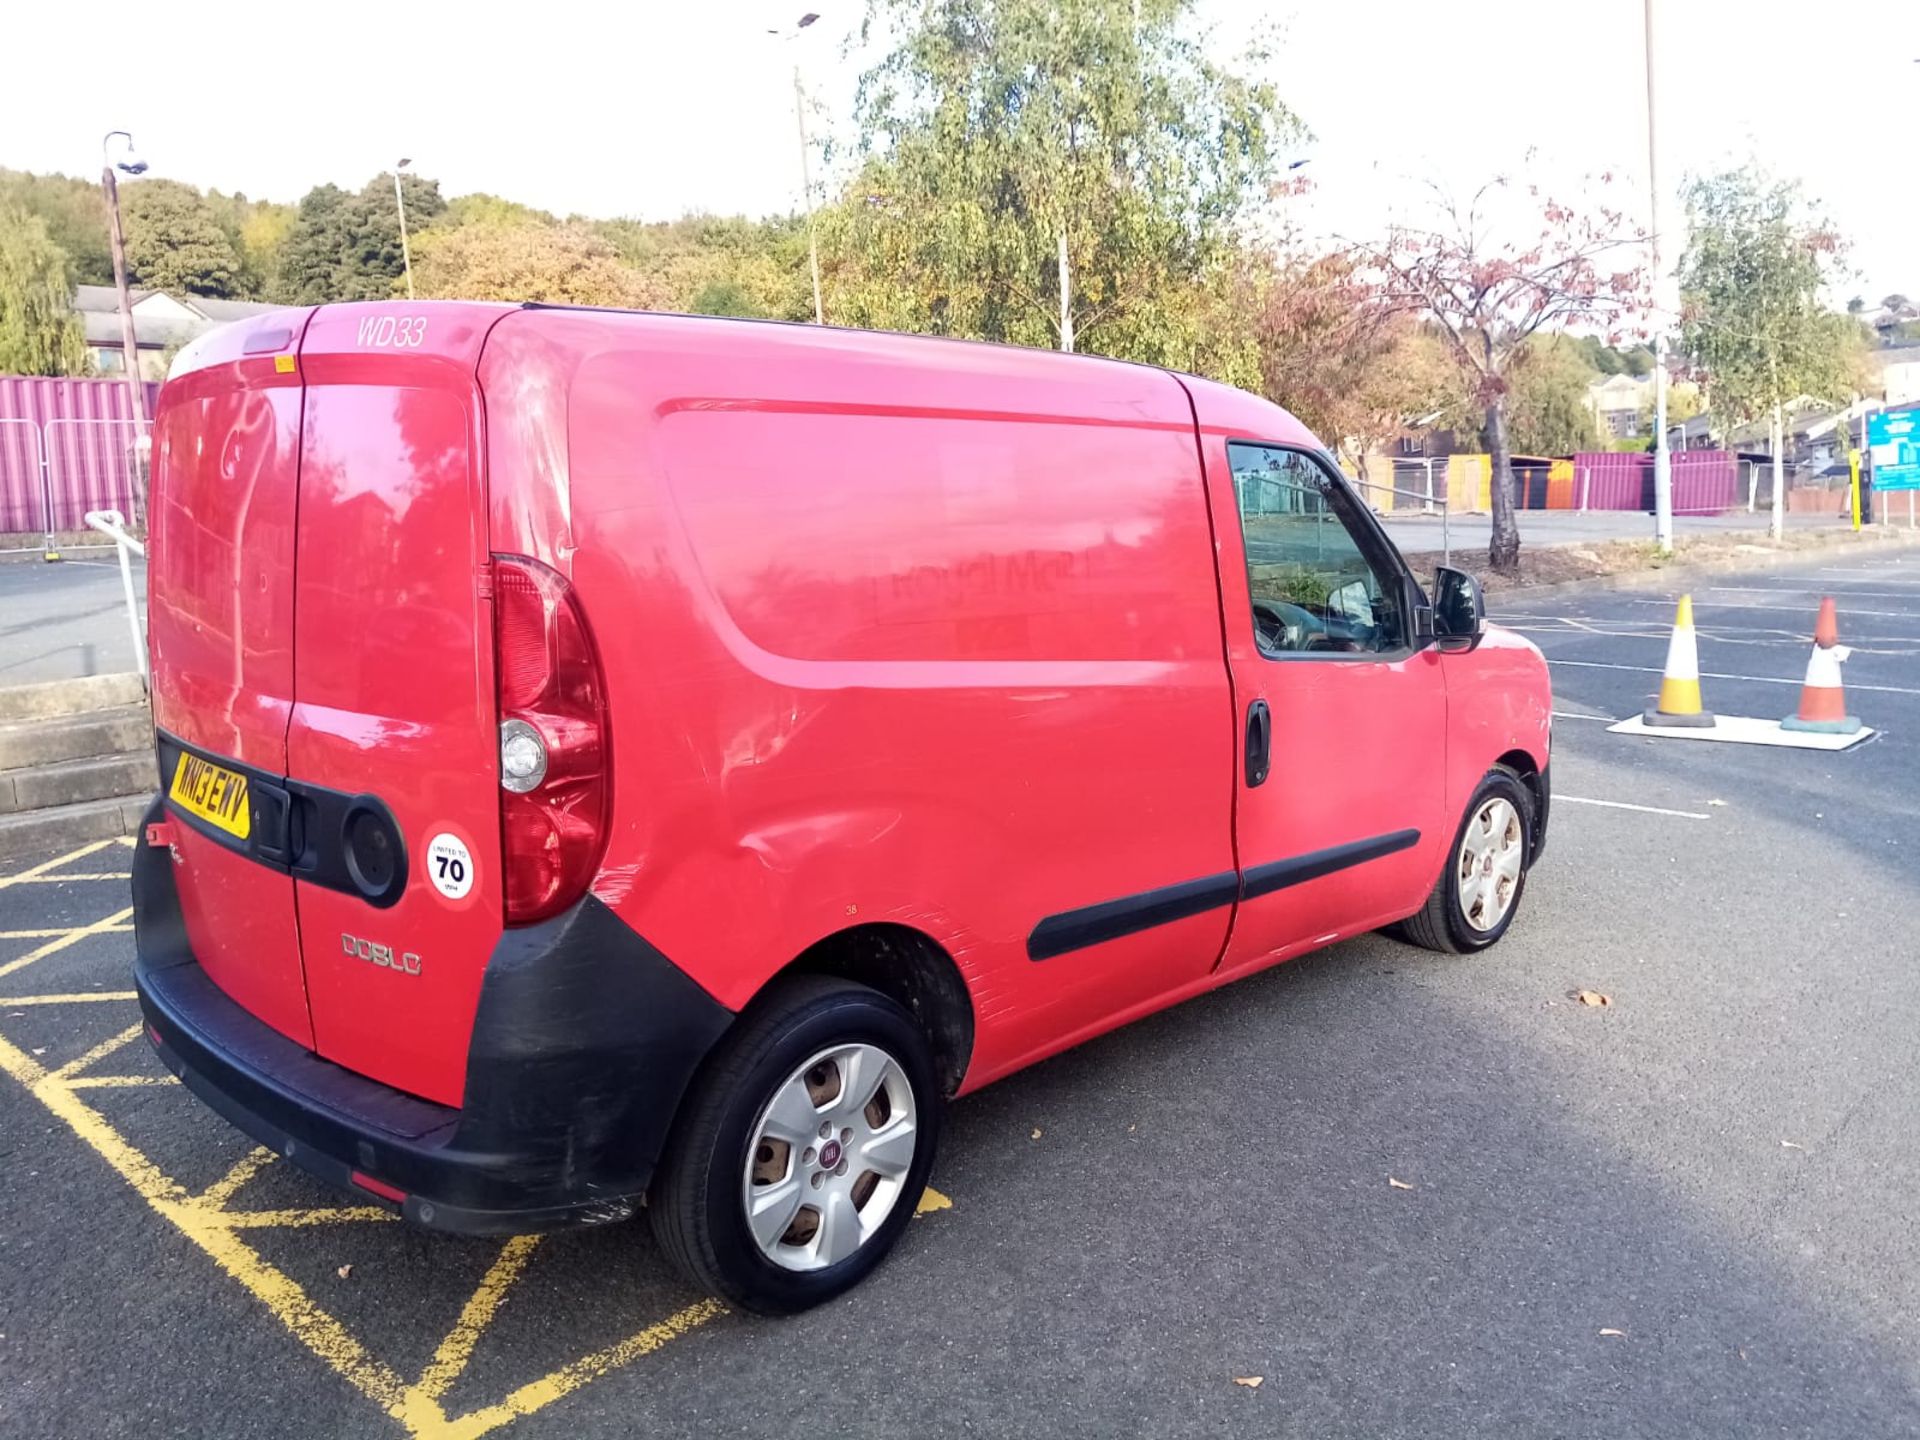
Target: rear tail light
{"x": 554, "y": 775}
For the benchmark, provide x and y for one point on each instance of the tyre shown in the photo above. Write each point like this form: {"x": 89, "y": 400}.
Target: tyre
{"x": 802, "y": 1152}
{"x": 1479, "y": 889}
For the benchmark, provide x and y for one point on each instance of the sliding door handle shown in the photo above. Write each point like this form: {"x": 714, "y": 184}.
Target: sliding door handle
{"x": 1259, "y": 742}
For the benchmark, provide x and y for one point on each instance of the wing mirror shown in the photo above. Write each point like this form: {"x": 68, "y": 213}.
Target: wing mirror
{"x": 1459, "y": 609}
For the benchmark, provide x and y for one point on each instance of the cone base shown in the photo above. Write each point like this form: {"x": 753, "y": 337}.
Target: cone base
{"x": 1850, "y": 725}
{"x": 1698, "y": 720}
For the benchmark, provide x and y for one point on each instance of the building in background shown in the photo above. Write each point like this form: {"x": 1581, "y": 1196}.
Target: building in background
{"x": 162, "y": 323}
{"x": 1621, "y": 405}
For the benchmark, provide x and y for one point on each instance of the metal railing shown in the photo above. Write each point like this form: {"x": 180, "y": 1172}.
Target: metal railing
{"x": 113, "y": 525}
{"x": 53, "y": 472}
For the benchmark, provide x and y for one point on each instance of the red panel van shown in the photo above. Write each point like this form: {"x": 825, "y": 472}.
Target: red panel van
{"x": 616, "y": 760}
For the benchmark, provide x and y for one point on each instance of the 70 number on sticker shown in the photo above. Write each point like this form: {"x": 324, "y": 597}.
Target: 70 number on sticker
{"x": 450, "y": 865}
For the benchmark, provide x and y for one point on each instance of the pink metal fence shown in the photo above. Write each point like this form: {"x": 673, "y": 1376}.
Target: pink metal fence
{"x": 66, "y": 447}
{"x": 1704, "y": 482}
{"x": 1605, "y": 481}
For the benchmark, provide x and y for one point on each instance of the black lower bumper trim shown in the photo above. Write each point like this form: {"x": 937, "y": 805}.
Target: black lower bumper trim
{"x": 585, "y": 1041}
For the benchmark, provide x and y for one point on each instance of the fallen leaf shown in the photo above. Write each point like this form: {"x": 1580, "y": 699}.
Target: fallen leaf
{"x": 1398, "y": 1184}
{"x": 1252, "y": 1382}
{"x": 1130, "y": 1129}
{"x": 1620, "y": 1334}
{"x": 344, "y": 1271}
{"x": 1716, "y": 802}
{"x": 1593, "y": 997}
{"x": 1791, "y": 1146}
{"x": 1036, "y": 1132}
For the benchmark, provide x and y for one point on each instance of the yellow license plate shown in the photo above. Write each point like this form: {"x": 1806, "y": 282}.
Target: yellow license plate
{"x": 217, "y": 796}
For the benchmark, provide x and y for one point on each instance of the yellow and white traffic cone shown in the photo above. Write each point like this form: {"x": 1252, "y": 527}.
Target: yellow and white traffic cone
{"x": 1679, "y": 703}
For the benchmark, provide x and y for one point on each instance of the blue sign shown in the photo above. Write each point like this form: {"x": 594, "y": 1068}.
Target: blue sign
{"x": 1893, "y": 440}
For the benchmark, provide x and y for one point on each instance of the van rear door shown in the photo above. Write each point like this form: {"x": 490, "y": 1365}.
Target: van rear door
{"x": 220, "y": 629}
{"x": 394, "y": 733}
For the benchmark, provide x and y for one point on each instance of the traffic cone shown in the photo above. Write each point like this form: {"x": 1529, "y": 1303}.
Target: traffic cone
{"x": 1823, "y": 705}
{"x": 1679, "y": 703}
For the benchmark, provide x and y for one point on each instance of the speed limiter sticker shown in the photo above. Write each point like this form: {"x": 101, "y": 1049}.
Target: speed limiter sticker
{"x": 450, "y": 865}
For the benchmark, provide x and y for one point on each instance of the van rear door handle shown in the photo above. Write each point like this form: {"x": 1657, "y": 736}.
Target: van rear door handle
{"x": 1259, "y": 742}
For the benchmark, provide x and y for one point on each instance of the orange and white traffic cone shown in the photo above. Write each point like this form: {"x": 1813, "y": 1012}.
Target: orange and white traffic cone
{"x": 1679, "y": 703}
{"x": 1823, "y": 705}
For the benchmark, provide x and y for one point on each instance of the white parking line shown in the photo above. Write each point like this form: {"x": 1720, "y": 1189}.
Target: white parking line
{"x": 1576, "y": 715}
{"x": 1716, "y": 675}
{"x": 1796, "y": 609}
{"x": 1622, "y": 805}
{"x": 1833, "y": 590}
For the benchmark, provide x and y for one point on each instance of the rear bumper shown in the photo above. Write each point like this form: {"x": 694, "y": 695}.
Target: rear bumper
{"x": 585, "y": 1041}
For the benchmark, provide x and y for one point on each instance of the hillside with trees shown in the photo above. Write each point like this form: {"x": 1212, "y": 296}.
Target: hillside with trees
{"x": 1081, "y": 174}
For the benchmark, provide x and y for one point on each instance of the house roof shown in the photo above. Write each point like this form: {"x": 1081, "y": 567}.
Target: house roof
{"x": 227, "y": 310}
{"x": 102, "y": 298}
{"x": 160, "y": 318}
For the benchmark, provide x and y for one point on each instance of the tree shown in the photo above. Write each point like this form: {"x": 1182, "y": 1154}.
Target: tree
{"x": 720, "y": 265}
{"x": 39, "y": 333}
{"x": 567, "y": 264}
{"x": 481, "y": 208}
{"x": 75, "y": 214}
{"x": 1547, "y": 405}
{"x": 1487, "y": 294}
{"x": 345, "y": 246}
{"x": 174, "y": 241}
{"x": 1897, "y": 307}
{"x": 1045, "y": 172}
{"x": 1337, "y": 352}
{"x": 1752, "y": 321}
{"x": 257, "y": 231}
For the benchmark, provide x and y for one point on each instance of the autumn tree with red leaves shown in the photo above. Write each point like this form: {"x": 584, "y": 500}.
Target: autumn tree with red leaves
{"x": 1337, "y": 351}
{"x": 1486, "y": 296}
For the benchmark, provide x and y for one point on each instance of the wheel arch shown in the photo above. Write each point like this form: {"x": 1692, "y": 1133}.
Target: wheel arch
{"x": 1533, "y": 777}
{"x": 911, "y": 968}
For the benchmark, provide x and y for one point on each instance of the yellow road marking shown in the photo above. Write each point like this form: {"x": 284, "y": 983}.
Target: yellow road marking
{"x": 450, "y": 1360}
{"x": 68, "y": 999}
{"x": 50, "y": 934}
{"x": 38, "y": 870}
{"x": 325, "y": 1336}
{"x": 568, "y": 1378}
{"x": 217, "y": 1230}
{"x": 97, "y": 1053}
{"x": 66, "y": 938}
{"x": 62, "y": 879}
{"x": 216, "y": 1195}
{"x": 299, "y": 1219}
{"x": 930, "y": 1201}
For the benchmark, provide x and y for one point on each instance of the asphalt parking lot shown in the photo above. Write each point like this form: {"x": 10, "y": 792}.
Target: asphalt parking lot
{"x": 1413, "y": 1195}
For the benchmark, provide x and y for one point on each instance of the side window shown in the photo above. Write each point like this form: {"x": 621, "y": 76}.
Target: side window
{"x": 1314, "y": 590}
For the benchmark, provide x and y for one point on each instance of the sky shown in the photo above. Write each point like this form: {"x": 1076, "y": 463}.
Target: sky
{"x": 654, "y": 109}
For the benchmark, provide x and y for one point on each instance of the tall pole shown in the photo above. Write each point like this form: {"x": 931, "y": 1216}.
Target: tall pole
{"x": 1662, "y": 462}
{"x": 1779, "y": 447}
{"x": 806, "y": 184}
{"x": 1066, "y": 296}
{"x": 400, "y": 204}
{"x": 129, "y": 345}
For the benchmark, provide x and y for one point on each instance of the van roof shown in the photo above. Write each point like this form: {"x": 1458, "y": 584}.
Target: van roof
{"x": 1223, "y": 407}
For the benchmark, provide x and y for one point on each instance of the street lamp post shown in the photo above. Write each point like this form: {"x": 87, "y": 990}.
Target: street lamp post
{"x": 400, "y": 204}
{"x": 1662, "y": 462}
{"x": 129, "y": 345}
{"x": 806, "y": 167}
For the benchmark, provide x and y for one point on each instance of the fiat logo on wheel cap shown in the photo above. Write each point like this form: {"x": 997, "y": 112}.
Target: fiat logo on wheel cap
{"x": 829, "y": 1154}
